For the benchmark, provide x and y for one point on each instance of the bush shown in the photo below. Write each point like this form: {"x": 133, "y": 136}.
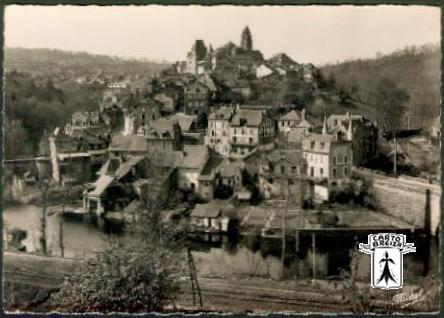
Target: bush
{"x": 127, "y": 277}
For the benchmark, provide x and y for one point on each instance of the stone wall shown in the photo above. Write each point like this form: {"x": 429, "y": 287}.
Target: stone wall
{"x": 405, "y": 198}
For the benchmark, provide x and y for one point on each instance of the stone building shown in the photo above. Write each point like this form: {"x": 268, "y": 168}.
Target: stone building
{"x": 250, "y": 129}
{"x": 329, "y": 158}
{"x": 163, "y": 136}
{"x": 196, "y": 99}
{"x": 218, "y": 132}
{"x": 276, "y": 169}
{"x": 196, "y": 58}
{"x": 137, "y": 115}
{"x": 194, "y": 160}
{"x": 358, "y": 129}
{"x": 293, "y": 126}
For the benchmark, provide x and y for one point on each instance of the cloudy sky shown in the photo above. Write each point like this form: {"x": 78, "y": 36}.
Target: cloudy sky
{"x": 317, "y": 34}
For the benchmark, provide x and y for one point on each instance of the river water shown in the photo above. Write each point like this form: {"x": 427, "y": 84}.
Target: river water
{"x": 226, "y": 255}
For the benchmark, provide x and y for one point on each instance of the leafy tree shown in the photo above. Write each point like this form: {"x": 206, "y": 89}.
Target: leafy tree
{"x": 390, "y": 102}
{"x": 129, "y": 276}
{"x": 137, "y": 273}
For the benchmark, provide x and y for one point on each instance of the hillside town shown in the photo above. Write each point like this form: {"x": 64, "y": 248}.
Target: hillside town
{"x": 199, "y": 144}
{"x": 172, "y": 134}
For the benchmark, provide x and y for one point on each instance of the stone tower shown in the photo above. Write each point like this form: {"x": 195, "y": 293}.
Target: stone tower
{"x": 246, "y": 40}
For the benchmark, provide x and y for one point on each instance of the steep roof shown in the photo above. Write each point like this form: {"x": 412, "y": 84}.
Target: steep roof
{"x": 293, "y": 115}
{"x": 162, "y": 127}
{"x": 195, "y": 156}
{"x": 249, "y": 117}
{"x": 101, "y": 185}
{"x": 133, "y": 143}
{"x": 229, "y": 168}
{"x": 185, "y": 121}
{"x": 304, "y": 124}
{"x": 223, "y": 113}
{"x": 126, "y": 166}
{"x": 281, "y": 59}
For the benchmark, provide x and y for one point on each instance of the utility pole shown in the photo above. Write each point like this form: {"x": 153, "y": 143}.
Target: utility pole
{"x": 193, "y": 278}
{"x": 284, "y": 225}
{"x": 395, "y": 155}
{"x": 313, "y": 244}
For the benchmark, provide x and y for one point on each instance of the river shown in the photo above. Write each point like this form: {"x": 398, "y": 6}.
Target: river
{"x": 228, "y": 255}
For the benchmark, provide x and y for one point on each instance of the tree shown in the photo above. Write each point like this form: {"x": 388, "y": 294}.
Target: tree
{"x": 137, "y": 273}
{"x": 390, "y": 103}
{"x": 128, "y": 276}
{"x": 202, "y": 121}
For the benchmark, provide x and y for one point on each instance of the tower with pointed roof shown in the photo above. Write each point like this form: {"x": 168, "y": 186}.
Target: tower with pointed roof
{"x": 246, "y": 39}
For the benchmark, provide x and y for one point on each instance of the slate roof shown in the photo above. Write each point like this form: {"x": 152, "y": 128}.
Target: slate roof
{"x": 101, "y": 185}
{"x": 229, "y": 168}
{"x": 133, "y": 143}
{"x": 223, "y": 113}
{"x": 304, "y": 124}
{"x": 185, "y": 121}
{"x": 195, "y": 156}
{"x": 126, "y": 166}
{"x": 208, "y": 210}
{"x": 253, "y": 118}
{"x": 293, "y": 115}
{"x": 161, "y": 128}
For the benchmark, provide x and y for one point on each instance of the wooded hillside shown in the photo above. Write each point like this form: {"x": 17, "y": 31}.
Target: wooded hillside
{"x": 75, "y": 63}
{"x": 414, "y": 69}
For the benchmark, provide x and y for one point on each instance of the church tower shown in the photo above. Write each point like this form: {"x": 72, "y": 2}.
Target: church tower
{"x": 246, "y": 39}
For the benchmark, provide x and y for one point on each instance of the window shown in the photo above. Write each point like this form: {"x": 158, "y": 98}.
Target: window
{"x": 322, "y": 145}
{"x": 312, "y": 144}
{"x": 321, "y": 170}
{"x": 293, "y": 170}
{"x": 250, "y": 140}
{"x": 234, "y": 139}
{"x": 345, "y": 171}
{"x": 335, "y": 122}
{"x": 282, "y": 169}
{"x": 334, "y": 160}
{"x": 345, "y": 158}
{"x": 334, "y": 172}
{"x": 312, "y": 171}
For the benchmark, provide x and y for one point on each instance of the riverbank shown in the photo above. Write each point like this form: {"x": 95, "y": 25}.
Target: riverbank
{"x": 248, "y": 294}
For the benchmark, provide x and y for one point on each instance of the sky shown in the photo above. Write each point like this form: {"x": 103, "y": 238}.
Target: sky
{"x": 315, "y": 34}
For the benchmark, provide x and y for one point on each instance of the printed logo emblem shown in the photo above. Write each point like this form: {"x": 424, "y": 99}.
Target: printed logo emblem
{"x": 387, "y": 251}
